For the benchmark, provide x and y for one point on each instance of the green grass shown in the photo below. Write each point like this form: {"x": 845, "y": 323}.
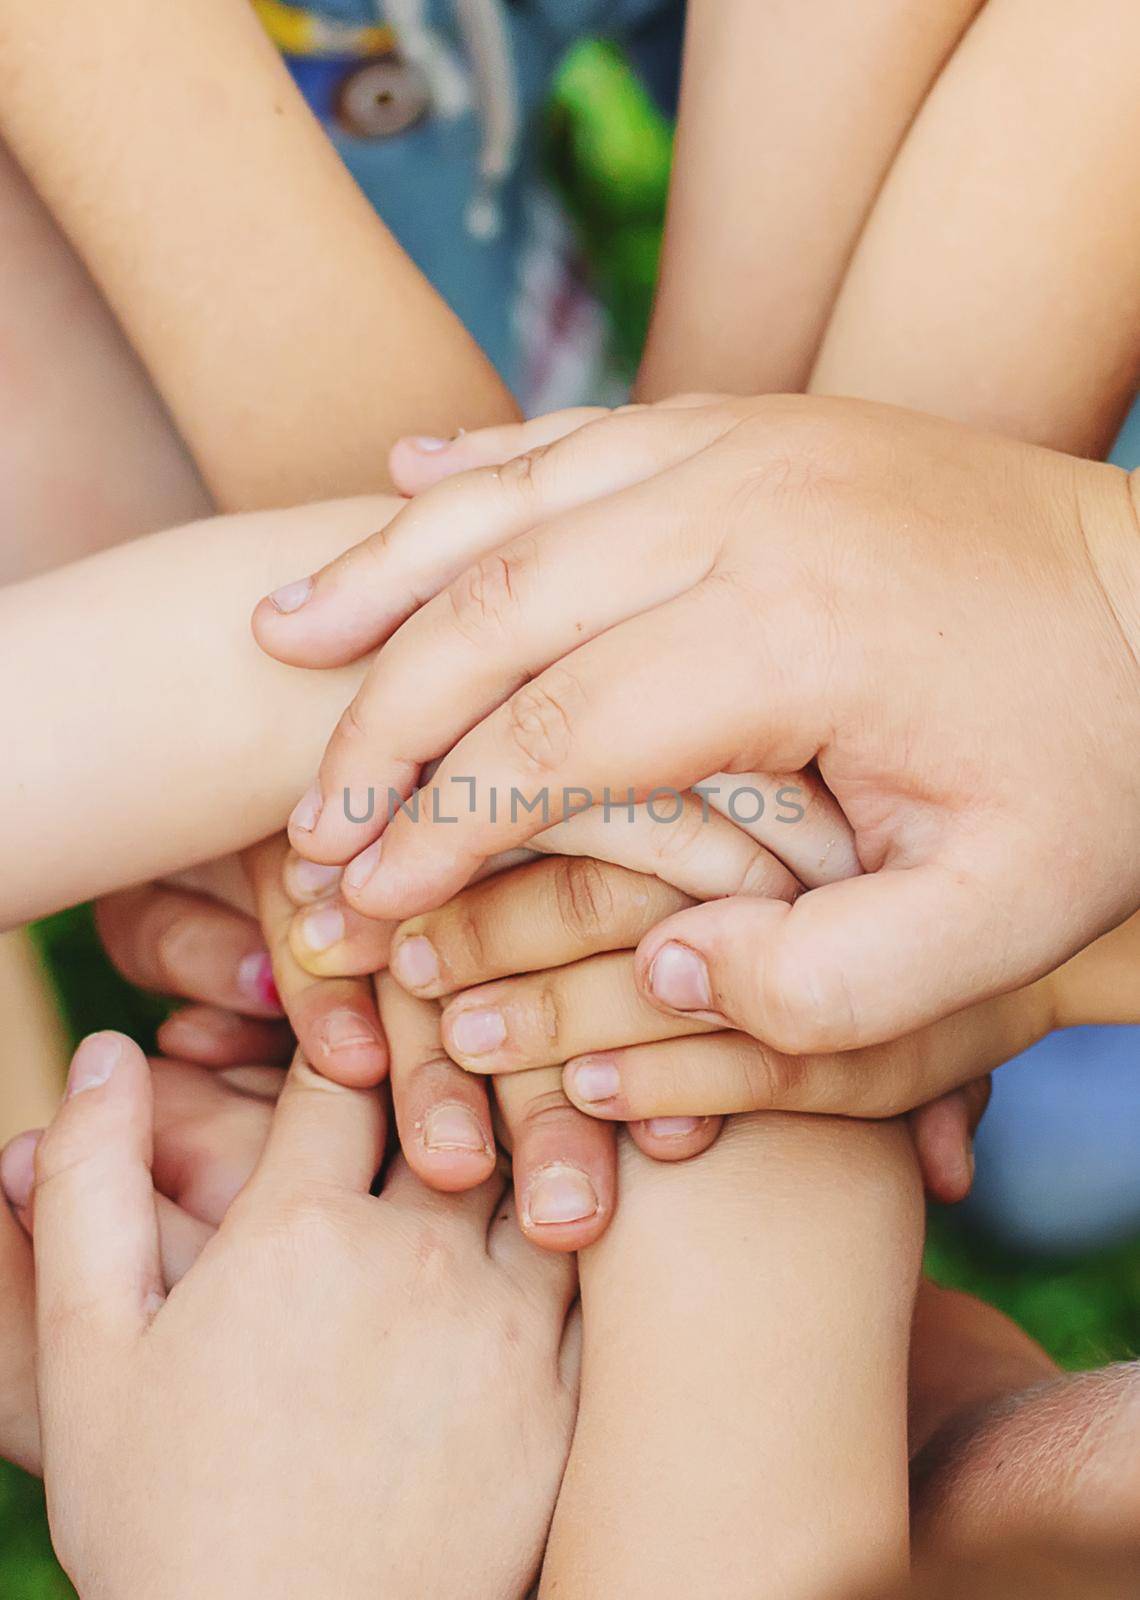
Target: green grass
{"x": 609, "y": 151}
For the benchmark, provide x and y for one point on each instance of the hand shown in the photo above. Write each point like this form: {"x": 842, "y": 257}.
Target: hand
{"x": 943, "y": 620}
{"x": 208, "y": 936}
{"x": 559, "y": 936}
{"x": 433, "y": 1469}
{"x": 209, "y": 1132}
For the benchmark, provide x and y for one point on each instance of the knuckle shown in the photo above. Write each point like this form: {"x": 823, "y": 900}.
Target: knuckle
{"x": 545, "y": 1108}
{"x": 486, "y": 598}
{"x": 775, "y": 1079}
{"x": 519, "y": 476}
{"x": 467, "y": 934}
{"x": 584, "y": 896}
{"x": 675, "y": 841}
{"x": 541, "y": 719}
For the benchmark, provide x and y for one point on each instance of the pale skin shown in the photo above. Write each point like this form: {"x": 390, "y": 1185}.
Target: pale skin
{"x": 946, "y": 218}
{"x": 129, "y": 126}
{"x": 291, "y": 1294}
{"x": 869, "y": 353}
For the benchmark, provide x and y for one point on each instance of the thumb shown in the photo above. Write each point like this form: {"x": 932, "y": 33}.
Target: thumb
{"x": 849, "y": 964}
{"x": 98, "y": 1263}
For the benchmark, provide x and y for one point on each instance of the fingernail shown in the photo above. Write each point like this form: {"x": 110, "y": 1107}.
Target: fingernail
{"x": 307, "y": 812}
{"x": 594, "y": 1079}
{"x": 476, "y": 1033}
{"x": 348, "y": 1030}
{"x": 679, "y": 978}
{"x": 291, "y": 596}
{"x": 358, "y": 871}
{"x": 428, "y": 443}
{"x": 453, "y": 1128}
{"x": 310, "y": 878}
{"x": 560, "y": 1194}
{"x": 415, "y": 963}
{"x": 255, "y": 979}
{"x": 93, "y": 1063}
{"x": 673, "y": 1127}
{"x": 18, "y": 1168}
{"x": 322, "y": 928}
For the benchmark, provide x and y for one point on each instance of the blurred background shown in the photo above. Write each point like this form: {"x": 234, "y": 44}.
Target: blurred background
{"x": 1052, "y": 1233}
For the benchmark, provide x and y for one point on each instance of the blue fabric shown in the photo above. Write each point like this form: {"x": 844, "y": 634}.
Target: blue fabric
{"x": 421, "y": 181}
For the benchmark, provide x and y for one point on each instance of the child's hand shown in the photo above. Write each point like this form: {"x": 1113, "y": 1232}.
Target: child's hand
{"x": 210, "y": 1128}
{"x": 430, "y": 1471}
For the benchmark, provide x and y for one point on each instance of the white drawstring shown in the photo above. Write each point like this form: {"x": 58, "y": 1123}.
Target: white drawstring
{"x": 486, "y": 34}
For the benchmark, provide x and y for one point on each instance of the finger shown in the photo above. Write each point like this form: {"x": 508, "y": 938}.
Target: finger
{"x": 722, "y": 1073}
{"x": 698, "y": 662}
{"x": 181, "y": 1240}
{"x": 334, "y": 1019}
{"x": 795, "y": 816}
{"x": 417, "y": 463}
{"x": 321, "y": 1134}
{"x": 468, "y": 1211}
{"x": 682, "y": 839}
{"x": 307, "y": 882}
{"x": 178, "y": 942}
{"x": 442, "y": 1114}
{"x": 849, "y": 964}
{"x": 216, "y": 1038}
{"x": 98, "y": 1262}
{"x": 359, "y": 600}
{"x": 18, "y": 1175}
{"x": 541, "y": 1019}
{"x": 492, "y": 630}
{"x": 208, "y": 1136}
{"x": 944, "y": 1140}
{"x": 19, "y": 1419}
{"x": 531, "y": 918}
{"x": 330, "y": 939}
{"x": 565, "y": 1174}
{"x": 548, "y": 1278}
{"x": 675, "y": 1138}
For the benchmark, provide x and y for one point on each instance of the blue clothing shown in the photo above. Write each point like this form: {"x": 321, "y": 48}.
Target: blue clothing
{"x": 422, "y": 179}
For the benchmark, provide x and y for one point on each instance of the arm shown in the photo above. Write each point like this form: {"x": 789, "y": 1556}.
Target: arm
{"x": 322, "y": 342}
{"x": 746, "y": 1321}
{"x": 152, "y": 732}
{"x": 790, "y": 117}
{"x": 998, "y": 280}
{"x": 88, "y": 456}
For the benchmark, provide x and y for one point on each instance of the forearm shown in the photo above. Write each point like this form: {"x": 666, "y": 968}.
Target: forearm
{"x": 290, "y": 336}
{"x": 88, "y": 455}
{"x": 998, "y": 280}
{"x": 150, "y": 732}
{"x": 790, "y": 117}
{"x": 746, "y": 1322}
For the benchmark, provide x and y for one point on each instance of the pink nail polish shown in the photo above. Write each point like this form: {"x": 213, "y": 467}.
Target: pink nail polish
{"x": 415, "y": 964}
{"x": 255, "y": 979}
{"x": 291, "y": 596}
{"x": 477, "y": 1033}
{"x": 307, "y": 812}
{"x": 680, "y": 979}
{"x": 93, "y": 1063}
